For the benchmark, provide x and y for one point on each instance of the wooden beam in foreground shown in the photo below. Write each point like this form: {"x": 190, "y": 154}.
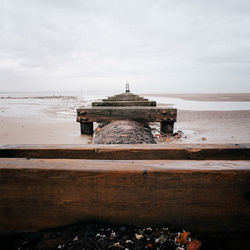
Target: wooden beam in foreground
{"x": 131, "y": 152}
{"x": 207, "y": 197}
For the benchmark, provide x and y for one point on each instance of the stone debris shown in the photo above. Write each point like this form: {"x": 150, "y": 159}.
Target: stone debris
{"x": 139, "y": 236}
{"x": 194, "y": 245}
{"x": 160, "y": 137}
{"x": 185, "y": 237}
{"x": 123, "y": 132}
{"x": 96, "y": 236}
{"x": 132, "y": 132}
{"x": 75, "y": 239}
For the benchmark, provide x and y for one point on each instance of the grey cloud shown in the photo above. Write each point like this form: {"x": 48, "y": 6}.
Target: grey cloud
{"x": 186, "y": 46}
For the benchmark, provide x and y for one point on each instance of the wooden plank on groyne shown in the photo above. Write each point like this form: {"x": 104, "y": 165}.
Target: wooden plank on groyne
{"x": 201, "y": 196}
{"x": 131, "y": 152}
{"x": 142, "y": 114}
{"x": 124, "y": 103}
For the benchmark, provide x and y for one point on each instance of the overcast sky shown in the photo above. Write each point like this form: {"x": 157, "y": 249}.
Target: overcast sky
{"x": 158, "y": 46}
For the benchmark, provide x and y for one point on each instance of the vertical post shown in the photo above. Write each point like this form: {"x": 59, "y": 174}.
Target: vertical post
{"x": 127, "y": 87}
{"x": 167, "y": 127}
{"x": 87, "y": 128}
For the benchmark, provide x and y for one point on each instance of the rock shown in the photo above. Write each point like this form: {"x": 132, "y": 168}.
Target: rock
{"x": 178, "y": 240}
{"x": 112, "y": 235}
{"x": 162, "y": 239}
{"x": 139, "y": 236}
{"x": 124, "y": 132}
{"x": 75, "y": 239}
{"x": 148, "y": 231}
{"x": 129, "y": 244}
{"x": 158, "y": 232}
{"x": 117, "y": 244}
{"x": 49, "y": 243}
{"x": 149, "y": 245}
{"x": 96, "y": 236}
{"x": 194, "y": 245}
{"x": 123, "y": 229}
{"x": 184, "y": 237}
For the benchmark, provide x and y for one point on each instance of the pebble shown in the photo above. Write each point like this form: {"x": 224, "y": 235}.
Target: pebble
{"x": 162, "y": 239}
{"x": 93, "y": 236}
{"x": 112, "y": 235}
{"x": 129, "y": 241}
{"x": 123, "y": 229}
{"x": 117, "y": 244}
{"x": 75, "y": 239}
{"x": 124, "y": 132}
{"x": 139, "y": 236}
{"x": 149, "y": 245}
{"x": 194, "y": 245}
{"x": 184, "y": 237}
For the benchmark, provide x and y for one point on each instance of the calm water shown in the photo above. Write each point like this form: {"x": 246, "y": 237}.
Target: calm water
{"x": 28, "y": 105}
{"x": 202, "y": 105}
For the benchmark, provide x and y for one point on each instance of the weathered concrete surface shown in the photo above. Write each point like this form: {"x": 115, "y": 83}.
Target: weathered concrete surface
{"x": 124, "y": 132}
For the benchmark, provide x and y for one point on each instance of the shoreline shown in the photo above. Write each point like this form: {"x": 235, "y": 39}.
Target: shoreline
{"x": 197, "y": 126}
{"x": 222, "y": 97}
{"x": 209, "y": 97}
{"x": 52, "y": 120}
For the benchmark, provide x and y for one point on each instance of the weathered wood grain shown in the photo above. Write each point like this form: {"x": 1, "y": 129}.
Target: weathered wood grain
{"x": 202, "y": 196}
{"x": 167, "y": 127}
{"x": 124, "y": 103}
{"x": 131, "y": 152}
{"x": 87, "y": 128}
{"x": 141, "y": 114}
{"x": 125, "y": 97}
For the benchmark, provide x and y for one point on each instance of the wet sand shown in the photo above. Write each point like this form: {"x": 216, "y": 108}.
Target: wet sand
{"x": 214, "y": 126}
{"x": 197, "y": 126}
{"x": 45, "y": 131}
{"x": 54, "y": 122}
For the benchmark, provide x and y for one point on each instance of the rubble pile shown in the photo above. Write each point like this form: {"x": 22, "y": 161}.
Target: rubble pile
{"x": 123, "y": 132}
{"x": 96, "y": 236}
{"x": 169, "y": 138}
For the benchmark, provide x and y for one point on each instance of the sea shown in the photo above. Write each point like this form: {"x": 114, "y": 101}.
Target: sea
{"x": 63, "y": 105}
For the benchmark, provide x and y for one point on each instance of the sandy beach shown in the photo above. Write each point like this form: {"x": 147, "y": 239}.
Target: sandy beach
{"x": 53, "y": 121}
{"x": 30, "y": 131}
